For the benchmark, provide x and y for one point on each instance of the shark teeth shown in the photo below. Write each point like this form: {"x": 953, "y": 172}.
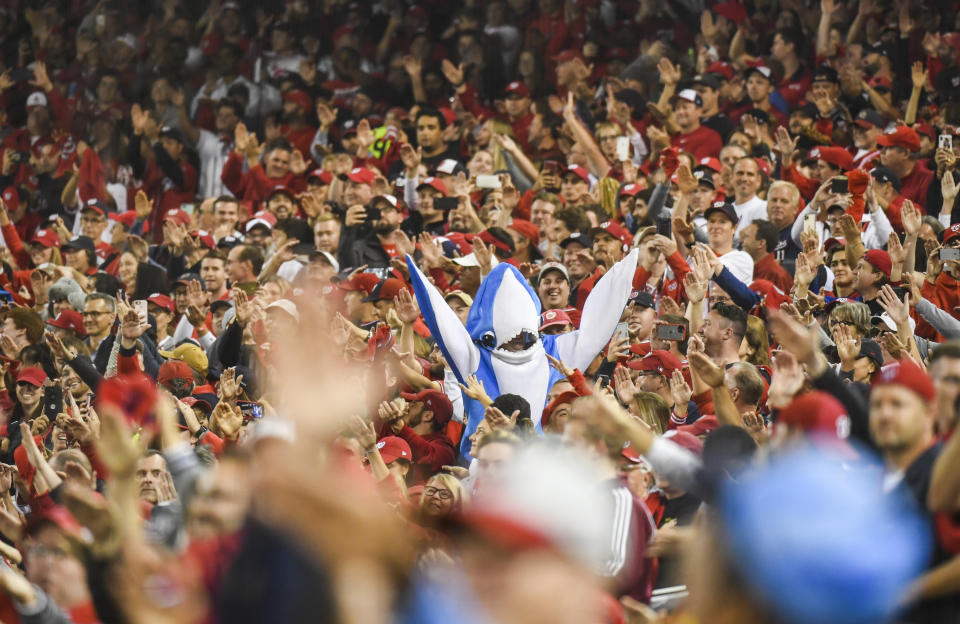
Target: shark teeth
{"x": 519, "y": 333}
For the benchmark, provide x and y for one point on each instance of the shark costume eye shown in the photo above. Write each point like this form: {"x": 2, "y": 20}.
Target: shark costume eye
{"x": 488, "y": 340}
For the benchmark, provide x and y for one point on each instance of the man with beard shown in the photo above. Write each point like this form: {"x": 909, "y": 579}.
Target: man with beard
{"x": 722, "y": 333}
{"x": 422, "y": 423}
{"x": 372, "y": 241}
{"x": 297, "y": 104}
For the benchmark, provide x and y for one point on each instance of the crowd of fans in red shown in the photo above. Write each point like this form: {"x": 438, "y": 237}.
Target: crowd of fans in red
{"x": 222, "y": 399}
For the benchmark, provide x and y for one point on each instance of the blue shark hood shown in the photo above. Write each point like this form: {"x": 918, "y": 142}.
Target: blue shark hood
{"x": 504, "y": 307}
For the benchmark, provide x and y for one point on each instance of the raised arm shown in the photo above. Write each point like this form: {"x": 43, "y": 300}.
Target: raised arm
{"x": 601, "y": 313}
{"x": 452, "y": 337}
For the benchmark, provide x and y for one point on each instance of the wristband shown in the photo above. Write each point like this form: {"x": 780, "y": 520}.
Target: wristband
{"x": 202, "y": 431}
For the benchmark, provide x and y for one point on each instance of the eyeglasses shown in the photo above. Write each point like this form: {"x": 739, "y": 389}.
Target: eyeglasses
{"x": 441, "y": 494}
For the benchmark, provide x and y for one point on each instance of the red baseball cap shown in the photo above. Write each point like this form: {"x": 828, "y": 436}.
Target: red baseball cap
{"x": 436, "y": 401}
{"x": 564, "y": 398}
{"x": 205, "y": 238}
{"x": 386, "y": 290}
{"x": 174, "y": 369}
{"x": 69, "y": 319}
{"x": 47, "y": 238}
{"x": 361, "y": 175}
{"x": 658, "y": 360}
{"x": 434, "y": 183}
{"x": 687, "y": 440}
{"x": 263, "y": 217}
{"x": 721, "y": 68}
{"x": 94, "y": 206}
{"x": 393, "y": 448}
{"x": 701, "y": 426}
{"x": 361, "y": 281}
{"x": 901, "y": 136}
{"x": 299, "y": 97}
{"x": 320, "y": 174}
{"x": 32, "y": 375}
{"x": 554, "y": 317}
{"x": 833, "y": 243}
{"x": 880, "y": 260}
{"x": 580, "y": 172}
{"x": 178, "y": 216}
{"x": 127, "y": 218}
{"x": 615, "y": 230}
{"x": 951, "y": 232}
{"x": 836, "y": 156}
{"x": 630, "y": 190}
{"x": 907, "y": 374}
{"x": 517, "y": 88}
{"x": 816, "y": 411}
{"x": 163, "y": 301}
{"x": 527, "y": 230}
{"x": 712, "y": 163}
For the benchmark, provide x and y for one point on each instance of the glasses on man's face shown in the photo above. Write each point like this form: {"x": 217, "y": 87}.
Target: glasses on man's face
{"x": 438, "y": 492}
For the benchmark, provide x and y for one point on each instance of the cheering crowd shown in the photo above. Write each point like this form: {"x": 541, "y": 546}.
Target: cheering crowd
{"x": 513, "y": 311}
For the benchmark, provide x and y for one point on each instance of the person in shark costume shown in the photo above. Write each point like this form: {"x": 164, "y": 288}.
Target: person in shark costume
{"x": 501, "y": 343}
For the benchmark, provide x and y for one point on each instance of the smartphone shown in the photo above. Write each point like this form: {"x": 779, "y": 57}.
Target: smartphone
{"x": 622, "y": 332}
{"x": 449, "y": 203}
{"x": 372, "y": 213}
{"x": 623, "y": 148}
{"x": 188, "y": 208}
{"x": 664, "y": 227}
{"x": 945, "y": 141}
{"x": 810, "y": 223}
{"x": 250, "y": 410}
{"x": 485, "y": 181}
{"x": 53, "y": 402}
{"x": 21, "y": 75}
{"x": 950, "y": 253}
{"x": 839, "y": 185}
{"x": 140, "y": 307}
{"x": 668, "y": 331}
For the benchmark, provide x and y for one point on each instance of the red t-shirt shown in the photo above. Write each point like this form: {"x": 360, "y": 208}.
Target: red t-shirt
{"x": 702, "y": 143}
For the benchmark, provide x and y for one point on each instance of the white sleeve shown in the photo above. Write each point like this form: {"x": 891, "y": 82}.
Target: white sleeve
{"x": 797, "y": 228}
{"x": 878, "y": 231}
{"x": 410, "y": 192}
{"x": 601, "y": 313}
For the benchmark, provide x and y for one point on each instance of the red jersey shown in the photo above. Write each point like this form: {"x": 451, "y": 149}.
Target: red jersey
{"x": 702, "y": 143}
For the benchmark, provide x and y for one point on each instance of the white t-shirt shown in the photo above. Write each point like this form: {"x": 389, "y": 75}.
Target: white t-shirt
{"x": 740, "y": 264}
{"x": 213, "y": 152}
{"x": 749, "y": 212}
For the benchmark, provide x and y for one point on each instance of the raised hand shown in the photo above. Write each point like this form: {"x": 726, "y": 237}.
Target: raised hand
{"x": 670, "y": 74}
{"x": 297, "y": 163}
{"x": 453, "y": 73}
{"x": 623, "y": 385}
{"x": 785, "y": 145}
{"x": 679, "y": 390}
{"x": 562, "y": 368}
{"x": 911, "y": 218}
{"x": 364, "y": 432}
{"x": 695, "y": 287}
{"x": 412, "y": 65}
{"x": 406, "y": 307}
{"x": 410, "y": 158}
{"x": 918, "y": 75}
{"x": 499, "y": 420}
{"x": 618, "y": 348}
{"x": 230, "y": 386}
{"x": 949, "y": 189}
{"x": 786, "y": 381}
{"x": 898, "y": 310}
{"x": 475, "y": 390}
{"x": 896, "y": 251}
{"x": 848, "y": 345}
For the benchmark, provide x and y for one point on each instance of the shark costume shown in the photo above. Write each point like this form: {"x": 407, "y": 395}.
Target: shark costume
{"x": 507, "y": 307}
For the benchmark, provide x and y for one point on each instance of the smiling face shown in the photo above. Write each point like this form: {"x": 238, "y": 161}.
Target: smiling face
{"x": 746, "y": 179}
{"x": 554, "y": 290}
